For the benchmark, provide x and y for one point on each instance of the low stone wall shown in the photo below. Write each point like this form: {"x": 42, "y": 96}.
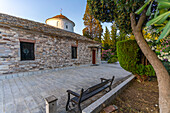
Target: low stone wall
{"x": 52, "y": 47}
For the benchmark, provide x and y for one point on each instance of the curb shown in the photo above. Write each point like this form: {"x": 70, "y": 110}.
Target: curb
{"x": 105, "y": 100}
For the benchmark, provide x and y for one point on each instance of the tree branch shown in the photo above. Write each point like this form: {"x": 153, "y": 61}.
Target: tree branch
{"x": 133, "y": 21}
{"x": 141, "y": 20}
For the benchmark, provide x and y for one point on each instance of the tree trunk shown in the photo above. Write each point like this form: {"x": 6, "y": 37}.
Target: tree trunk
{"x": 146, "y": 61}
{"x": 161, "y": 73}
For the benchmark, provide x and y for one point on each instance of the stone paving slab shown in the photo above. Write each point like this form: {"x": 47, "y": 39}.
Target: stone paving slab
{"x": 26, "y": 94}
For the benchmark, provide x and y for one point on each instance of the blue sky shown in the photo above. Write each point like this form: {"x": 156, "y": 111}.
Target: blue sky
{"x": 40, "y": 10}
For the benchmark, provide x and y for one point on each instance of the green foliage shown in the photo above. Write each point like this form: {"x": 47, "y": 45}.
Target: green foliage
{"x": 140, "y": 69}
{"x": 113, "y": 37}
{"x": 110, "y": 38}
{"x": 143, "y": 7}
{"x": 161, "y": 20}
{"x": 122, "y": 36}
{"x": 129, "y": 58}
{"x": 127, "y": 52}
{"x": 166, "y": 31}
{"x": 115, "y": 10}
{"x": 163, "y": 4}
{"x": 148, "y": 13}
{"x": 106, "y": 41}
{"x": 103, "y": 10}
{"x": 124, "y": 8}
{"x": 99, "y": 32}
{"x": 149, "y": 71}
{"x": 113, "y": 59}
{"x": 93, "y": 28}
{"x": 158, "y": 19}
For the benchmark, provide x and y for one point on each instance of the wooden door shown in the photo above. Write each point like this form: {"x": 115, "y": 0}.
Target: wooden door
{"x": 93, "y": 56}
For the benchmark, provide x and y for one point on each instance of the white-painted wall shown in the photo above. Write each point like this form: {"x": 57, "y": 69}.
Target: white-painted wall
{"x": 61, "y": 24}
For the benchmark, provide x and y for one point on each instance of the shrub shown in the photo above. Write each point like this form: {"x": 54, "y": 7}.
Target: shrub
{"x": 149, "y": 71}
{"x": 140, "y": 69}
{"x": 113, "y": 59}
{"x": 129, "y": 55}
{"x": 114, "y": 56}
{"x": 127, "y": 52}
{"x": 106, "y": 54}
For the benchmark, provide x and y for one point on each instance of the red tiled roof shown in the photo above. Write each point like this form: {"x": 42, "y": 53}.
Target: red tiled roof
{"x": 62, "y": 17}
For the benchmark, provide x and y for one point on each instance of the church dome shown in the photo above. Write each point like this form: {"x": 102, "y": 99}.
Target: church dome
{"x": 62, "y": 22}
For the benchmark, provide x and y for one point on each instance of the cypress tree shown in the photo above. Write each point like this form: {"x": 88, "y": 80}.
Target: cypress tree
{"x": 113, "y": 37}
{"x": 93, "y": 28}
{"x": 106, "y": 40}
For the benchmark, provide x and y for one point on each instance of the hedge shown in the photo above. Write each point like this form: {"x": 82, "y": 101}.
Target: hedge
{"x": 129, "y": 55}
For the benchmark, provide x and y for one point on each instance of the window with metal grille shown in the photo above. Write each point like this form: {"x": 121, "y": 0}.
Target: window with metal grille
{"x": 74, "y": 52}
{"x": 27, "y": 51}
{"x": 66, "y": 26}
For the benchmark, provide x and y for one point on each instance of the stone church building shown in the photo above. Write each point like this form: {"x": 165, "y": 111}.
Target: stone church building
{"x": 28, "y": 47}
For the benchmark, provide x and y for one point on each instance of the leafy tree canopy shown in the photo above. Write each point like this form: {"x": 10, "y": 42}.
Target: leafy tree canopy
{"x": 115, "y": 10}
{"x": 102, "y": 10}
{"x": 160, "y": 18}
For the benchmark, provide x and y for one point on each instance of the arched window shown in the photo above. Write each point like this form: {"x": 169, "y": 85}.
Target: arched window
{"x": 66, "y": 26}
{"x": 57, "y": 23}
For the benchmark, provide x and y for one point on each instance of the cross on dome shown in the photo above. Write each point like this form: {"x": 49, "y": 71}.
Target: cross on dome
{"x": 61, "y": 11}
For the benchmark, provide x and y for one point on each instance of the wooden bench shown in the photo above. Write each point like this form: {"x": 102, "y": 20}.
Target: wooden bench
{"x": 84, "y": 95}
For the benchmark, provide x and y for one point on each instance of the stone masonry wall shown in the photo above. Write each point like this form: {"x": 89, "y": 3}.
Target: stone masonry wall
{"x": 51, "y": 51}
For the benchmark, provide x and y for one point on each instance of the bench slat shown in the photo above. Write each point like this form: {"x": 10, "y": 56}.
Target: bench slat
{"x": 97, "y": 86}
{"x": 84, "y": 95}
{"x": 87, "y": 96}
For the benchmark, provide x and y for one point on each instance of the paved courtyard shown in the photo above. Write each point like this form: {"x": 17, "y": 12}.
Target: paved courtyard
{"x": 26, "y": 94}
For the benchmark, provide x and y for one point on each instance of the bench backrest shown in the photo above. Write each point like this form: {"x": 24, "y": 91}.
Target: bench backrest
{"x": 97, "y": 86}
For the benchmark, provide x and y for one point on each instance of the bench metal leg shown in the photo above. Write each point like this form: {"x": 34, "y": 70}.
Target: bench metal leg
{"x": 68, "y": 101}
{"x": 110, "y": 88}
{"x": 79, "y": 108}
